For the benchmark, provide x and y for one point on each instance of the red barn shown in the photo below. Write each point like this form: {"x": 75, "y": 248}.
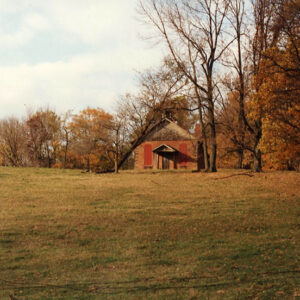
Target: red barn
{"x": 169, "y": 146}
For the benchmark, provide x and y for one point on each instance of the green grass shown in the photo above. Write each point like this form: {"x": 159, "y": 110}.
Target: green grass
{"x": 152, "y": 235}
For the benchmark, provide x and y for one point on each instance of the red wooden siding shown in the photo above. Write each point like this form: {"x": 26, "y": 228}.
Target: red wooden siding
{"x": 183, "y": 154}
{"x": 190, "y": 158}
{"x": 148, "y": 155}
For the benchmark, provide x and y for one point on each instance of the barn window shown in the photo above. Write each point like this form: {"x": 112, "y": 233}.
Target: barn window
{"x": 148, "y": 155}
{"x": 183, "y": 155}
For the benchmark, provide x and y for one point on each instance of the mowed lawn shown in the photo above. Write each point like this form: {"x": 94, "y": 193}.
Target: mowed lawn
{"x": 166, "y": 235}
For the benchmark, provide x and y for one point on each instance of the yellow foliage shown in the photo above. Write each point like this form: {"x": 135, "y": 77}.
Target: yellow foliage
{"x": 277, "y": 102}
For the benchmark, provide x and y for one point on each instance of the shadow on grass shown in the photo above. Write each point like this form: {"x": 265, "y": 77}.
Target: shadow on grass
{"x": 151, "y": 284}
{"x": 3, "y": 175}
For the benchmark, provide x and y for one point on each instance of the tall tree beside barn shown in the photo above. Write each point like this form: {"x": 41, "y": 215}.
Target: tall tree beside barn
{"x": 279, "y": 97}
{"x": 143, "y": 110}
{"x": 259, "y": 41}
{"x": 232, "y": 140}
{"x": 193, "y": 31}
{"x": 236, "y": 82}
{"x": 275, "y": 38}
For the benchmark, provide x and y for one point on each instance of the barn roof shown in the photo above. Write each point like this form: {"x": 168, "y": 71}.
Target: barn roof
{"x": 164, "y": 148}
{"x": 167, "y": 130}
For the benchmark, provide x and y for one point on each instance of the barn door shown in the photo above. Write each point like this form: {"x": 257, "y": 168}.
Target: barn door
{"x": 165, "y": 163}
{"x": 148, "y": 155}
{"x": 183, "y": 155}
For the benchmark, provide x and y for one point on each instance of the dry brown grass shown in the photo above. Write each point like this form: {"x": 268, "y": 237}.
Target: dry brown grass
{"x": 165, "y": 235}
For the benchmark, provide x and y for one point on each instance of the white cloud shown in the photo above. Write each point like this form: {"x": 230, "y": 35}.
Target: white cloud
{"x": 94, "y": 78}
{"x": 36, "y": 22}
{"x": 30, "y": 25}
{"x": 89, "y": 20}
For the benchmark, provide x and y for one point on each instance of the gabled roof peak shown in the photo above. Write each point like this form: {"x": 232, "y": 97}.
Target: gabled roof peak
{"x": 167, "y": 129}
{"x": 164, "y": 148}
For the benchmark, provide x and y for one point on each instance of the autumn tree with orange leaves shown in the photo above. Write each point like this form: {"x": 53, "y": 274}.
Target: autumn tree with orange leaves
{"x": 42, "y": 137}
{"x": 275, "y": 98}
{"x": 279, "y": 99}
{"x": 90, "y": 131}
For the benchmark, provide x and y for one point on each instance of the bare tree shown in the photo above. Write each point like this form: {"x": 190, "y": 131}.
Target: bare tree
{"x": 117, "y": 142}
{"x": 145, "y": 109}
{"x": 263, "y": 13}
{"x": 42, "y": 137}
{"x": 194, "y": 34}
{"x": 237, "y": 83}
{"x": 66, "y": 135}
{"x": 12, "y": 142}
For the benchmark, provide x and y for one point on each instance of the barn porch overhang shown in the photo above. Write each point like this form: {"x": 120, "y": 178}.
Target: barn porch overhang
{"x": 164, "y": 149}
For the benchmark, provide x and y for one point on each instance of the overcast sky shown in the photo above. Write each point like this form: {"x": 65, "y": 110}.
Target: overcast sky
{"x": 69, "y": 54}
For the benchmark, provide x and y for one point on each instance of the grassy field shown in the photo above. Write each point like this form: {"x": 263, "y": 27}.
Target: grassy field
{"x": 70, "y": 235}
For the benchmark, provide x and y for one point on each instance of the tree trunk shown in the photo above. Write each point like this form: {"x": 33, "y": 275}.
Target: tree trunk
{"x": 240, "y": 159}
{"x": 66, "y": 154}
{"x": 257, "y": 165}
{"x": 116, "y": 163}
{"x": 213, "y": 151}
{"x": 212, "y": 129}
{"x": 241, "y": 131}
{"x": 88, "y": 164}
{"x": 65, "y": 159}
{"x": 203, "y": 133}
{"x": 128, "y": 153}
{"x": 136, "y": 143}
{"x": 205, "y": 154}
{"x": 48, "y": 157}
{"x": 257, "y": 160}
